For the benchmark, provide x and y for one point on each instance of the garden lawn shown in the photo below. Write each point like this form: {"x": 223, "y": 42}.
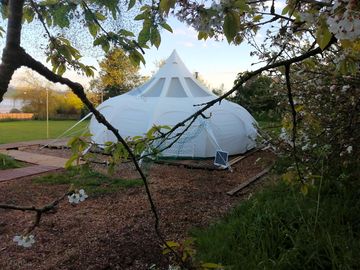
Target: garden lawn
{"x": 93, "y": 182}
{"x": 16, "y": 131}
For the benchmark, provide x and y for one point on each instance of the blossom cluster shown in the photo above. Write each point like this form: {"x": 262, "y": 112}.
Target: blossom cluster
{"x": 24, "y": 241}
{"x": 346, "y": 25}
{"x": 77, "y": 197}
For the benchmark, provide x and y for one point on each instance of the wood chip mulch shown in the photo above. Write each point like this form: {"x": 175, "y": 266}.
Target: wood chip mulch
{"x": 116, "y": 231}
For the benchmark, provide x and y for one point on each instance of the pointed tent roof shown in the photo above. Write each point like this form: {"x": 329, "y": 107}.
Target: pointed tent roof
{"x": 173, "y": 80}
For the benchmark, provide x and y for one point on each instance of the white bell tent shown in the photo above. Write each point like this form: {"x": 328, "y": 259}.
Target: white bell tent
{"x": 168, "y": 98}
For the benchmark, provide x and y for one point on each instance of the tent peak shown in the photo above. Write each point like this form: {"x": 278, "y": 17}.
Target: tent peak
{"x": 173, "y": 67}
{"x": 174, "y": 58}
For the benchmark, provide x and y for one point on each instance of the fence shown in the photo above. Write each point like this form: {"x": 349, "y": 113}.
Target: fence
{"x": 23, "y": 116}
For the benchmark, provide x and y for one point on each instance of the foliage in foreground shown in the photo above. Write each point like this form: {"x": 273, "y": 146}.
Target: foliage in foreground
{"x": 93, "y": 182}
{"x": 279, "y": 228}
{"x": 7, "y": 162}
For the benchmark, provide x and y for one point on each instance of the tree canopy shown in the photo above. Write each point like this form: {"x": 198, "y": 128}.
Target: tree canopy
{"x": 117, "y": 74}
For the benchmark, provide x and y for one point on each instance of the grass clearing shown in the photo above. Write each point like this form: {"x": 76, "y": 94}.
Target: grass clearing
{"x": 94, "y": 183}
{"x": 16, "y": 131}
{"x": 279, "y": 228}
{"x": 7, "y": 162}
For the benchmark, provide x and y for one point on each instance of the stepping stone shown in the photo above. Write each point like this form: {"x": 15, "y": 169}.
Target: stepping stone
{"x": 22, "y": 144}
{"x": 17, "y": 145}
{"x": 37, "y": 158}
{"x": 11, "y": 174}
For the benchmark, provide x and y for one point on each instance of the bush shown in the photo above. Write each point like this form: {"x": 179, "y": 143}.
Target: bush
{"x": 14, "y": 110}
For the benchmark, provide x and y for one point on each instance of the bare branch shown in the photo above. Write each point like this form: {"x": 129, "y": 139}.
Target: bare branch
{"x": 39, "y": 211}
{"x": 294, "y": 120}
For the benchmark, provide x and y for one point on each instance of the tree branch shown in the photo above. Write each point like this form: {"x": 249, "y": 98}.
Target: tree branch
{"x": 38, "y": 211}
{"x": 294, "y": 120}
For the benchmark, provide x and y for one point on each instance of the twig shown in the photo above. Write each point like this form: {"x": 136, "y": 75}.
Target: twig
{"x": 294, "y": 121}
{"x": 38, "y": 211}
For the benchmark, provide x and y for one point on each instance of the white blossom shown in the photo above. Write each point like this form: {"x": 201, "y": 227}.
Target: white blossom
{"x": 82, "y": 195}
{"x": 24, "y": 241}
{"x": 345, "y": 88}
{"x": 345, "y": 26}
{"x": 349, "y": 149}
{"x": 77, "y": 197}
{"x": 174, "y": 267}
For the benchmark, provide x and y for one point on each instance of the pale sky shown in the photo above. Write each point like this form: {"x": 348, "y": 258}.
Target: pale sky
{"x": 216, "y": 61}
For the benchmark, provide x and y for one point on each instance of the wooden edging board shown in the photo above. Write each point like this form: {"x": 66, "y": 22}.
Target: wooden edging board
{"x": 248, "y": 182}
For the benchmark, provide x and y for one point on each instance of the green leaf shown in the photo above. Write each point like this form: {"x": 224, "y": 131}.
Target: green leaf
{"x": 202, "y": 35}
{"x": 155, "y": 37}
{"x": 89, "y": 71}
{"x": 105, "y": 45}
{"x": 136, "y": 57}
{"x": 166, "y": 26}
{"x": 212, "y": 266}
{"x": 144, "y": 35}
{"x": 99, "y": 16}
{"x": 304, "y": 189}
{"x": 48, "y": 2}
{"x": 60, "y": 16}
{"x": 172, "y": 244}
{"x": 131, "y": 4}
{"x": 242, "y": 5}
{"x": 257, "y": 18}
{"x": 93, "y": 29}
{"x": 99, "y": 41}
{"x": 28, "y": 14}
{"x": 323, "y": 35}
{"x": 71, "y": 160}
{"x": 285, "y": 10}
{"x": 231, "y": 25}
{"x": 141, "y": 16}
{"x": 61, "y": 69}
{"x": 126, "y": 33}
{"x": 166, "y": 5}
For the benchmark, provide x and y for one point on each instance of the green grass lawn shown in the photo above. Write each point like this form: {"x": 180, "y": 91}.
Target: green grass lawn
{"x": 94, "y": 183}
{"x": 16, "y": 131}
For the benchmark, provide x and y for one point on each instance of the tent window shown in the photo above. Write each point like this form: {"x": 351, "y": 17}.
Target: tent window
{"x": 195, "y": 90}
{"x": 176, "y": 89}
{"x": 156, "y": 90}
{"x": 140, "y": 89}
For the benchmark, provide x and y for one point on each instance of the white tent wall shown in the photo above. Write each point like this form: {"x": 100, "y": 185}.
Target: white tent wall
{"x": 168, "y": 98}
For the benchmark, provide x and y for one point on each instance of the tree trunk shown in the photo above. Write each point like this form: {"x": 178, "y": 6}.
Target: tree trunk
{"x": 11, "y": 57}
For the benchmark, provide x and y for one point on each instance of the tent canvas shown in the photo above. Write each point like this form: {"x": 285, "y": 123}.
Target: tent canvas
{"x": 168, "y": 98}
